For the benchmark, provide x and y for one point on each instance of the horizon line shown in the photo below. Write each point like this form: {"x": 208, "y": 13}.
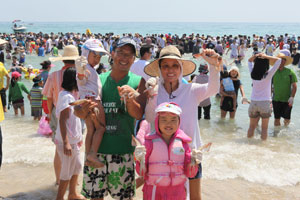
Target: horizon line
{"x": 271, "y": 22}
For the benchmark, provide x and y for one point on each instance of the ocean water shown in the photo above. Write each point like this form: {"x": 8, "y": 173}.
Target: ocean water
{"x": 160, "y": 27}
{"x": 232, "y": 156}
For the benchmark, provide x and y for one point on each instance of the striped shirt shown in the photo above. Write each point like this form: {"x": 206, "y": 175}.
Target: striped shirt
{"x": 36, "y": 97}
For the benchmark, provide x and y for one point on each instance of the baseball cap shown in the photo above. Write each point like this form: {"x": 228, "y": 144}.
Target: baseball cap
{"x": 126, "y": 40}
{"x": 15, "y": 74}
{"x": 168, "y": 107}
{"x": 94, "y": 45}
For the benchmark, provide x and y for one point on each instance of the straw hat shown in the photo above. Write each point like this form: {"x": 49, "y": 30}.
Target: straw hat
{"x": 188, "y": 67}
{"x": 70, "y": 53}
{"x": 285, "y": 54}
{"x": 3, "y": 41}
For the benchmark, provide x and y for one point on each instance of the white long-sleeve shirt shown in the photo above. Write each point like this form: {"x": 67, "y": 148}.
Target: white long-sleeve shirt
{"x": 188, "y": 97}
{"x": 89, "y": 84}
{"x": 261, "y": 89}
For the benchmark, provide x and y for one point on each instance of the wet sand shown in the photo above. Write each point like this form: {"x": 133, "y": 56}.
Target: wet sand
{"x": 22, "y": 182}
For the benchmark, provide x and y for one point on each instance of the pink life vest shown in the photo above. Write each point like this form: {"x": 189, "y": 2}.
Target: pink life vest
{"x": 166, "y": 163}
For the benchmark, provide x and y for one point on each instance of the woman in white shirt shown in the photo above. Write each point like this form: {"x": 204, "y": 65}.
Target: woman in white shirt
{"x": 170, "y": 68}
{"x": 260, "y": 106}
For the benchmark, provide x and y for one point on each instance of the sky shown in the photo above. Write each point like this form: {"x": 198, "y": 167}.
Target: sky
{"x": 152, "y": 10}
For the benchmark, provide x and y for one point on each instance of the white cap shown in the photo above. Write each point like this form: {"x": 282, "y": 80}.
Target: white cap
{"x": 169, "y": 107}
{"x": 94, "y": 45}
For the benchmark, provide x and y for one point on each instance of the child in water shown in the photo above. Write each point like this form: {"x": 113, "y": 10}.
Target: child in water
{"x": 228, "y": 95}
{"x": 36, "y": 98}
{"x": 68, "y": 137}
{"x": 166, "y": 161}
{"x": 15, "y": 93}
{"x": 89, "y": 87}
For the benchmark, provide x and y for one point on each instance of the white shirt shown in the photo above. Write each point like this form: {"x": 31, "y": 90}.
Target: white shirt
{"x": 161, "y": 42}
{"x": 270, "y": 49}
{"x": 261, "y": 89}
{"x": 73, "y": 123}
{"x": 260, "y": 44}
{"x": 188, "y": 97}
{"x": 49, "y": 45}
{"x": 286, "y": 46}
{"x": 202, "y": 78}
{"x": 138, "y": 68}
{"x": 90, "y": 84}
{"x": 234, "y": 49}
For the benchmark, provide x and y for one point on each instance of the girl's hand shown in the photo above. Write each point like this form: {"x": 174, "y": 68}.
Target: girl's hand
{"x": 261, "y": 55}
{"x": 67, "y": 149}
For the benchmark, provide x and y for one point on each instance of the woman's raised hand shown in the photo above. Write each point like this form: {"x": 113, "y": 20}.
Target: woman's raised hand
{"x": 212, "y": 58}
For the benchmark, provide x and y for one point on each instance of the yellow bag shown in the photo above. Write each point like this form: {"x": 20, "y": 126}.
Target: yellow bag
{"x": 1, "y": 111}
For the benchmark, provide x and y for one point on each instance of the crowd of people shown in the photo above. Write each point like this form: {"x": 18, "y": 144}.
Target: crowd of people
{"x": 147, "y": 98}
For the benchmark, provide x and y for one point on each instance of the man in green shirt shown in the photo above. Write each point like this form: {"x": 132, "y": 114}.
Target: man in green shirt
{"x": 284, "y": 89}
{"x": 121, "y": 106}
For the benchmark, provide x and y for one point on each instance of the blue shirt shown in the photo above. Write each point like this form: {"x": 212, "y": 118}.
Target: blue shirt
{"x": 41, "y": 51}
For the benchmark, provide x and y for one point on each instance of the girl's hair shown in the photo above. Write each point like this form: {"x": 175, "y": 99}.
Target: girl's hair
{"x": 13, "y": 81}
{"x": 69, "y": 80}
{"x": 260, "y": 68}
{"x": 36, "y": 81}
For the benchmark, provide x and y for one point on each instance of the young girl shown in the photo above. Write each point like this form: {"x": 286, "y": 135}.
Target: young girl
{"x": 90, "y": 87}
{"x": 15, "y": 93}
{"x": 166, "y": 162}
{"x": 229, "y": 92}
{"x": 68, "y": 137}
{"x": 36, "y": 98}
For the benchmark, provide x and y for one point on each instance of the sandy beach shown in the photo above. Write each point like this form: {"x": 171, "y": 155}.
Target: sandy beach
{"x": 15, "y": 184}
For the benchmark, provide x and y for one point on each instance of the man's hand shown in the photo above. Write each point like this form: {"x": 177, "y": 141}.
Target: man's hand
{"x": 291, "y": 101}
{"x": 83, "y": 109}
{"x": 126, "y": 92}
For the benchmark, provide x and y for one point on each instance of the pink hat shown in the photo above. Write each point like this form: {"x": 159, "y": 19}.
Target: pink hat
{"x": 168, "y": 107}
{"x": 15, "y": 74}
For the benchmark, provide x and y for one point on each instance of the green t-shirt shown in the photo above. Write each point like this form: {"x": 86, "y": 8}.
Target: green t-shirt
{"x": 55, "y": 51}
{"x": 15, "y": 93}
{"x": 119, "y": 124}
{"x": 282, "y": 81}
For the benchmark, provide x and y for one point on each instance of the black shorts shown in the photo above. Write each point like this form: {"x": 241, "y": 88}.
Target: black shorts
{"x": 199, "y": 173}
{"x": 3, "y": 96}
{"x": 281, "y": 109}
{"x": 227, "y": 104}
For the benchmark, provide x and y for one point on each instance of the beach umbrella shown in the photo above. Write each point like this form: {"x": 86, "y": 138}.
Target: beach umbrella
{"x": 3, "y": 41}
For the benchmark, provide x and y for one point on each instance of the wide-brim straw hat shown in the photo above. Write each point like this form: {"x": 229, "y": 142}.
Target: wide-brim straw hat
{"x": 172, "y": 52}
{"x": 285, "y": 54}
{"x": 70, "y": 53}
{"x": 3, "y": 41}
